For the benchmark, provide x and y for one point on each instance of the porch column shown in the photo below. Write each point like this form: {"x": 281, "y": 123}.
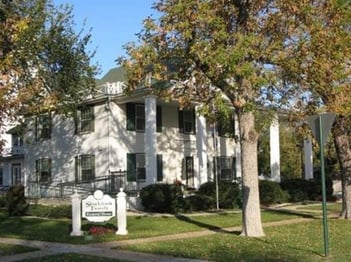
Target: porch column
{"x": 237, "y": 147}
{"x": 274, "y": 149}
{"x": 150, "y": 140}
{"x": 308, "y": 158}
{"x": 201, "y": 142}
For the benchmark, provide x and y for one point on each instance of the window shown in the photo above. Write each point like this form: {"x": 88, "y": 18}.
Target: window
{"x": 84, "y": 120}
{"x": 188, "y": 171}
{"x": 17, "y": 140}
{"x": 43, "y": 127}
{"x": 85, "y": 168}
{"x": 43, "y": 170}
{"x": 186, "y": 121}
{"x": 136, "y": 168}
{"x": 139, "y": 118}
{"x": 16, "y": 174}
{"x": 136, "y": 117}
{"x": 225, "y": 126}
{"x": 226, "y": 168}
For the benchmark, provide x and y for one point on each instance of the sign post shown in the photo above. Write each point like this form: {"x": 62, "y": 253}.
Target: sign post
{"x": 320, "y": 126}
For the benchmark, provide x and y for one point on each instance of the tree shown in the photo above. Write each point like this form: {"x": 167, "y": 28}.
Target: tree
{"x": 210, "y": 48}
{"x": 317, "y": 68}
{"x": 44, "y": 65}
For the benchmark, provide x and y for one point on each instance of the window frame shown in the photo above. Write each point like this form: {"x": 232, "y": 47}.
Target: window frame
{"x": 186, "y": 119}
{"x": 135, "y": 122}
{"x": 231, "y": 167}
{"x": 39, "y": 169}
{"x": 79, "y": 169}
{"x": 85, "y": 120}
{"x": 43, "y": 127}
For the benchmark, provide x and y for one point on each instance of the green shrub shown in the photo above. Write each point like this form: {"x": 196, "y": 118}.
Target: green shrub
{"x": 63, "y": 211}
{"x": 2, "y": 201}
{"x": 16, "y": 201}
{"x": 163, "y": 198}
{"x": 301, "y": 190}
{"x": 272, "y": 193}
{"x": 200, "y": 202}
{"x": 229, "y": 194}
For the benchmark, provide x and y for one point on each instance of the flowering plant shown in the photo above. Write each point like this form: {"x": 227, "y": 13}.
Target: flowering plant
{"x": 99, "y": 230}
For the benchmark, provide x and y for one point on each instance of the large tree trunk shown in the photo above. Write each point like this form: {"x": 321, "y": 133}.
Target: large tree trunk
{"x": 342, "y": 145}
{"x": 251, "y": 224}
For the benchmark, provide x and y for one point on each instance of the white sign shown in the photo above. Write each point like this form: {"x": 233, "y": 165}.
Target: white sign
{"x": 98, "y": 207}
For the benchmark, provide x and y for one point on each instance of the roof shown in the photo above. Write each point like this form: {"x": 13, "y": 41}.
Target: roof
{"x": 114, "y": 75}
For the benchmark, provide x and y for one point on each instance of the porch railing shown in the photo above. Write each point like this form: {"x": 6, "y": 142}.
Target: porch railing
{"x": 58, "y": 189}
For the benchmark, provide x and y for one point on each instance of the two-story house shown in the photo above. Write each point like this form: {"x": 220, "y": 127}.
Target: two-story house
{"x": 152, "y": 140}
{"x": 114, "y": 140}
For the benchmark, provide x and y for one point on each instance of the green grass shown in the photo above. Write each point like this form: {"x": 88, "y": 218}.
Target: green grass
{"x": 6, "y": 250}
{"x": 138, "y": 226}
{"x": 72, "y": 257}
{"x": 295, "y": 242}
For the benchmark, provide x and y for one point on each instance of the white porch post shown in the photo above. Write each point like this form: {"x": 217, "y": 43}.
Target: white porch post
{"x": 237, "y": 148}
{"x": 150, "y": 140}
{"x": 308, "y": 158}
{"x": 201, "y": 141}
{"x": 274, "y": 149}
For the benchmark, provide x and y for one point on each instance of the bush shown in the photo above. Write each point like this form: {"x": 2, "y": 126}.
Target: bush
{"x": 16, "y": 201}
{"x": 162, "y": 198}
{"x": 199, "y": 202}
{"x": 301, "y": 190}
{"x": 64, "y": 211}
{"x": 229, "y": 195}
{"x": 272, "y": 193}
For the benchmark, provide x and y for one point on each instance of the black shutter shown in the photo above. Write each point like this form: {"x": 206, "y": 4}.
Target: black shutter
{"x": 194, "y": 121}
{"x": 159, "y": 119}
{"x": 92, "y": 122}
{"x": 76, "y": 121}
{"x": 130, "y": 107}
{"x": 76, "y": 168}
{"x": 180, "y": 121}
{"x": 159, "y": 167}
{"x": 234, "y": 168}
{"x": 131, "y": 167}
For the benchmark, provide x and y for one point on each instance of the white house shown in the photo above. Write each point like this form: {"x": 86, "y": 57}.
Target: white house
{"x": 116, "y": 140}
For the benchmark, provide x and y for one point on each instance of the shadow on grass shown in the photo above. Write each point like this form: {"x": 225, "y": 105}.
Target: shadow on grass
{"x": 202, "y": 225}
{"x": 291, "y": 212}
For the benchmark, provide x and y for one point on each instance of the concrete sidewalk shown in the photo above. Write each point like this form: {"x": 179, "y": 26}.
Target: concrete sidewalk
{"x": 110, "y": 249}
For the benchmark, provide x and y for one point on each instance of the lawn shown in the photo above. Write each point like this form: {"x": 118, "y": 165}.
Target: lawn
{"x": 293, "y": 242}
{"x": 138, "y": 226}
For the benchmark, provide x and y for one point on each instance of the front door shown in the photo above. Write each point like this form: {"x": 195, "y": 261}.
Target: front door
{"x": 189, "y": 171}
{"x": 16, "y": 174}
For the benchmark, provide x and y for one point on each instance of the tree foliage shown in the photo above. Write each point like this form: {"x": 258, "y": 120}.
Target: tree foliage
{"x": 211, "y": 48}
{"x": 44, "y": 64}
{"x": 317, "y": 70}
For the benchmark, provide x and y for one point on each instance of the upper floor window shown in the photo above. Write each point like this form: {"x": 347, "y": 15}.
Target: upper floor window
{"x": 136, "y": 117}
{"x": 43, "y": 170}
{"x": 85, "y": 120}
{"x": 17, "y": 140}
{"x": 225, "y": 126}
{"x": 85, "y": 168}
{"x": 186, "y": 121}
{"x": 43, "y": 127}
